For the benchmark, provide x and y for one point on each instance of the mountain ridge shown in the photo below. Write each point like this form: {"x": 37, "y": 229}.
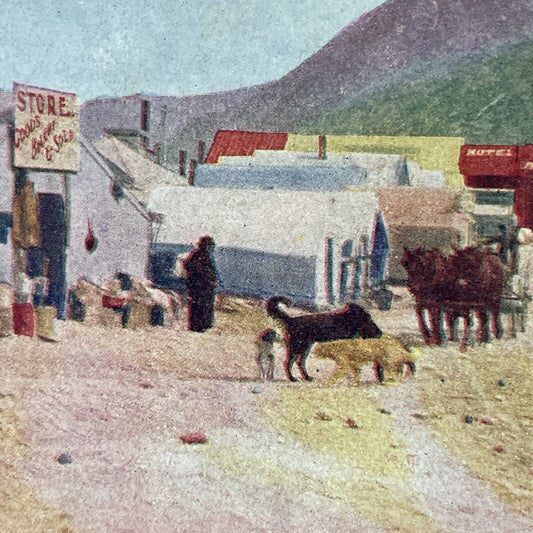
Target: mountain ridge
{"x": 420, "y": 38}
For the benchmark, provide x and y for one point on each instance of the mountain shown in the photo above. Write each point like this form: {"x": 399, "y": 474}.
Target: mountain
{"x": 408, "y": 67}
{"x": 486, "y": 98}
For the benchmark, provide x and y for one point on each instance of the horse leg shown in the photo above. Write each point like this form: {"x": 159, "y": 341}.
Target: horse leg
{"x": 469, "y": 323}
{"x": 422, "y": 324}
{"x": 483, "y": 328}
{"x": 436, "y": 324}
{"x": 467, "y": 320}
{"x": 496, "y": 322}
{"x": 451, "y": 321}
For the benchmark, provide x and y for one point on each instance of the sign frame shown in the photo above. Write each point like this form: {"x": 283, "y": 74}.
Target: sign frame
{"x": 46, "y": 129}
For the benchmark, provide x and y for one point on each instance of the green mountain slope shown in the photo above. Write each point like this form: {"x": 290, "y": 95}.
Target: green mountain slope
{"x": 485, "y": 98}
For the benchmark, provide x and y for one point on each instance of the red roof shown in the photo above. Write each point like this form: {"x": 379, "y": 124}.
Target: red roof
{"x": 236, "y": 142}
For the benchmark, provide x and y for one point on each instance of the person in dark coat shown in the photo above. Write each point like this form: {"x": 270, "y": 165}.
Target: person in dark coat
{"x": 512, "y": 243}
{"x": 500, "y": 240}
{"x": 201, "y": 283}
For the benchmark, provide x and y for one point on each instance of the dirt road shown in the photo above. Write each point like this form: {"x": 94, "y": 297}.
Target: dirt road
{"x": 113, "y": 405}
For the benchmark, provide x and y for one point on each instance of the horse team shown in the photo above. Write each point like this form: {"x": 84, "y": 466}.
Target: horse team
{"x": 469, "y": 281}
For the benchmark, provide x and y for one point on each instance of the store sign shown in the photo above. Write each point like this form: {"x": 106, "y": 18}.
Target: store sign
{"x": 46, "y": 128}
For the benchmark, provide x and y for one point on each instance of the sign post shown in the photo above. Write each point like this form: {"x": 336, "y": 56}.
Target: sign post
{"x": 44, "y": 138}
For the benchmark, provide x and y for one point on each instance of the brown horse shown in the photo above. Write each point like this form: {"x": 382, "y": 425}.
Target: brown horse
{"x": 477, "y": 282}
{"x": 469, "y": 280}
{"x": 427, "y": 281}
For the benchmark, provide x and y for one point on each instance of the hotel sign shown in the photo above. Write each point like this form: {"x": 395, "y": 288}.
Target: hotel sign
{"x": 46, "y": 129}
{"x": 498, "y": 161}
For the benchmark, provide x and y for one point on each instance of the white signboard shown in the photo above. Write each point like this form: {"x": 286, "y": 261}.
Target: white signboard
{"x": 46, "y": 128}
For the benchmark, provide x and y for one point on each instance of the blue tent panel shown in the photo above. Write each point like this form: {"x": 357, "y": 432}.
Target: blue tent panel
{"x": 280, "y": 177}
{"x": 245, "y": 272}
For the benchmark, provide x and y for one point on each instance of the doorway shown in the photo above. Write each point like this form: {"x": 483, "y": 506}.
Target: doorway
{"x": 49, "y": 258}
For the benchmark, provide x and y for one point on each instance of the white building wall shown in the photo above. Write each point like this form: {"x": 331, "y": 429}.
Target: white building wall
{"x": 6, "y": 199}
{"x": 121, "y": 229}
{"x": 286, "y": 223}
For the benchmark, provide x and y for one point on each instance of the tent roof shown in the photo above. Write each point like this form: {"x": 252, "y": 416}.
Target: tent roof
{"x": 283, "y": 157}
{"x": 281, "y": 221}
{"x": 292, "y": 177}
{"x": 145, "y": 174}
{"x": 383, "y": 170}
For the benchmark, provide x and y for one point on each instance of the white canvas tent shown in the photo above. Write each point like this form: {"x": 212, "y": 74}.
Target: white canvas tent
{"x": 268, "y": 242}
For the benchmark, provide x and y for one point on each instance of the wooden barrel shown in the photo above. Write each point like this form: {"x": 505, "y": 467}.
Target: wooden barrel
{"x": 45, "y": 322}
{"x": 6, "y": 321}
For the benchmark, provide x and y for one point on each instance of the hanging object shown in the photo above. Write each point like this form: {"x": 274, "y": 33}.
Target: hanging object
{"x": 91, "y": 241}
{"x": 25, "y": 218}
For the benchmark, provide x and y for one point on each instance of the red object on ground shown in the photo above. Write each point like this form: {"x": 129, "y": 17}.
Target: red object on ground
{"x": 236, "y": 142}
{"x": 194, "y": 438}
{"x": 23, "y": 319}
{"x": 112, "y": 302}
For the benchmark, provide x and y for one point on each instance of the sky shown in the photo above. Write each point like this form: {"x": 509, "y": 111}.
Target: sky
{"x": 97, "y": 48}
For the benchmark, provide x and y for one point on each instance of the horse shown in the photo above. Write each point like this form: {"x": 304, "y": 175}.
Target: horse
{"x": 427, "y": 280}
{"x": 469, "y": 280}
{"x": 477, "y": 282}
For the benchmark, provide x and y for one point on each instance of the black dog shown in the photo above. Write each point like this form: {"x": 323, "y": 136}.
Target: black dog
{"x": 301, "y": 332}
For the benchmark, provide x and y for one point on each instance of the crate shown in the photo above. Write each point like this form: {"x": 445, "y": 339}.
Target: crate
{"x": 45, "y": 318}
{"x": 23, "y": 319}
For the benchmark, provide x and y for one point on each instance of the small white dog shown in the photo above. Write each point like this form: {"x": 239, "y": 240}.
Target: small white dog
{"x": 265, "y": 353}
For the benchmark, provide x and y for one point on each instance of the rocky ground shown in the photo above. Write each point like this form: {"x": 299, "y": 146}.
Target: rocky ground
{"x": 91, "y": 427}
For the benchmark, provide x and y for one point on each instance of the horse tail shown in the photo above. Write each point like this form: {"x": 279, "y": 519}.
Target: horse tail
{"x": 273, "y": 309}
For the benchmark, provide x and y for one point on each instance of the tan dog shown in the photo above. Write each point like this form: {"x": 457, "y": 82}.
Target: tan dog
{"x": 388, "y": 354}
